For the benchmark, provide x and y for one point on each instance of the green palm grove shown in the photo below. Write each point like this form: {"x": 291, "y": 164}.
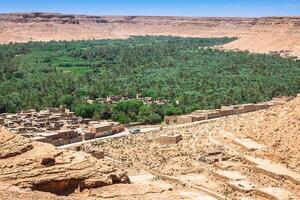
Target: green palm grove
{"x": 186, "y": 70}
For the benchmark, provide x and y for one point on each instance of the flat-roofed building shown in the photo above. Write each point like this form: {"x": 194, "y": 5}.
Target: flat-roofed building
{"x": 101, "y": 129}
{"x": 50, "y": 136}
{"x": 247, "y": 107}
{"x": 87, "y": 135}
{"x": 57, "y": 126}
{"x": 213, "y": 114}
{"x": 67, "y": 134}
{"x": 170, "y": 119}
{"x": 117, "y": 128}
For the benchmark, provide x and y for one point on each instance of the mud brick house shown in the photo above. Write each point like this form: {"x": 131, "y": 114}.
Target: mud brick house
{"x": 113, "y": 99}
{"x": 238, "y": 111}
{"x": 76, "y": 139}
{"x": 101, "y": 129}
{"x": 200, "y": 115}
{"x": 86, "y": 121}
{"x": 67, "y": 134}
{"x": 227, "y": 111}
{"x": 54, "y": 126}
{"x": 189, "y": 118}
{"x": 59, "y": 142}
{"x": 117, "y": 127}
{"x": 184, "y": 119}
{"x": 213, "y": 114}
{"x": 170, "y": 139}
{"x": 91, "y": 123}
{"x": 262, "y": 105}
{"x": 57, "y": 126}
{"x": 49, "y": 137}
{"x": 170, "y": 119}
{"x": 87, "y": 135}
{"x": 247, "y": 107}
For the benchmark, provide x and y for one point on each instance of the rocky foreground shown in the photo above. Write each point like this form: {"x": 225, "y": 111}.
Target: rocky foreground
{"x": 280, "y": 35}
{"x": 248, "y": 156}
{"x": 32, "y": 166}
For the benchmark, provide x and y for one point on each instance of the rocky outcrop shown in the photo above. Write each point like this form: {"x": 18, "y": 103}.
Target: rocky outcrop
{"x": 11, "y": 145}
{"x": 38, "y": 166}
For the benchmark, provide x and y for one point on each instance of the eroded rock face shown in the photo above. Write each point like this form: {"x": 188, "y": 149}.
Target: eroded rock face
{"x": 11, "y": 145}
{"x": 38, "y": 166}
{"x": 48, "y": 161}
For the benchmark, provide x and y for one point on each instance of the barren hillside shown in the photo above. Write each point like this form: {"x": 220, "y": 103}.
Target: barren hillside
{"x": 249, "y": 156}
{"x": 255, "y": 34}
{"x": 237, "y": 157}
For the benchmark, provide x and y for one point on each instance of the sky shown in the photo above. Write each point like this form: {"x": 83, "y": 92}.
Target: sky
{"x": 243, "y": 8}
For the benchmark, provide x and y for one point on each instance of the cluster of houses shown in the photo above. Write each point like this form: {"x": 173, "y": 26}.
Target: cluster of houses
{"x": 200, "y": 115}
{"x": 58, "y": 126}
{"x": 116, "y": 99}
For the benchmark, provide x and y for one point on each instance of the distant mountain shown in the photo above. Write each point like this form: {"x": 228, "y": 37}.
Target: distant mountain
{"x": 279, "y": 35}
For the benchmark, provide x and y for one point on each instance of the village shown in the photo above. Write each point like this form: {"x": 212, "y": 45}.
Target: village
{"x": 61, "y": 127}
{"x": 142, "y": 100}
{"x": 201, "y": 115}
{"x": 57, "y": 126}
{"x": 222, "y": 156}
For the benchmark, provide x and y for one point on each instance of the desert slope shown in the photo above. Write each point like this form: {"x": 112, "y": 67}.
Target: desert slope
{"x": 261, "y": 146}
{"x": 211, "y": 162}
{"x": 260, "y": 35}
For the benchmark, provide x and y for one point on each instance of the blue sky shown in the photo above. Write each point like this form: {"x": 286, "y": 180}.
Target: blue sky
{"x": 157, "y": 7}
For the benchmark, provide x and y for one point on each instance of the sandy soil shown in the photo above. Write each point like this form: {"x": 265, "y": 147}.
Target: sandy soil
{"x": 242, "y": 156}
{"x": 261, "y": 35}
{"x": 276, "y": 129}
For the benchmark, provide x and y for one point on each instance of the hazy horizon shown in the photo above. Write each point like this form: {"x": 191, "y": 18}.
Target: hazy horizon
{"x": 187, "y": 8}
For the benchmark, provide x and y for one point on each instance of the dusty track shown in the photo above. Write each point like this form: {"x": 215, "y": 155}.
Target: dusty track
{"x": 260, "y": 35}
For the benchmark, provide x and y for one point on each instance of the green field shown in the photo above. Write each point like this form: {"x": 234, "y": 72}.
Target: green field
{"x": 38, "y": 74}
